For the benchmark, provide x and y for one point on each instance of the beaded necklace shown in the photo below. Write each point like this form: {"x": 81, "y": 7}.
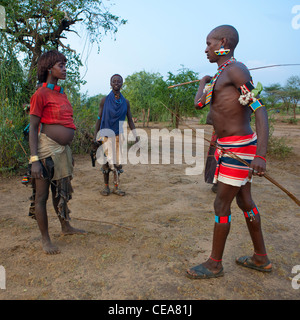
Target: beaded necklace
{"x": 215, "y": 78}
{"x": 53, "y": 87}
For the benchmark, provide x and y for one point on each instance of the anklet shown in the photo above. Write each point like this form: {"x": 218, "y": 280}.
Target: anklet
{"x": 215, "y": 259}
{"x": 259, "y": 254}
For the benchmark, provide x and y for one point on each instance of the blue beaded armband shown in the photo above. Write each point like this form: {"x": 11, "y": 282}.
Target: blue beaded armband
{"x": 256, "y": 105}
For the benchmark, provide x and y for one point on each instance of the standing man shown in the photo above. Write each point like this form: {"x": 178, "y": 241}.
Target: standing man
{"x": 109, "y": 130}
{"x": 232, "y": 101}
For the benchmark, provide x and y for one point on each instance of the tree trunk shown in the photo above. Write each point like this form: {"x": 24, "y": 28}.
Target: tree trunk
{"x": 32, "y": 74}
{"x": 177, "y": 120}
{"x": 143, "y": 116}
{"x": 148, "y": 117}
{"x": 177, "y": 117}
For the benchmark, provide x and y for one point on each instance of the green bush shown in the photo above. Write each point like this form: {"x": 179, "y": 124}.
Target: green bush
{"x": 279, "y": 148}
{"x": 12, "y": 143}
{"x": 85, "y": 117}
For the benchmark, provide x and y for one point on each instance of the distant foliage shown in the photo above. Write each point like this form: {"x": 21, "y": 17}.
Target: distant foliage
{"x": 145, "y": 91}
{"x": 85, "y": 117}
{"x": 285, "y": 98}
{"x": 148, "y": 94}
{"x": 181, "y": 99}
{"x": 13, "y": 119}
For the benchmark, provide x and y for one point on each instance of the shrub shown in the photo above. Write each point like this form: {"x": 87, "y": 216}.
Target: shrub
{"x": 278, "y": 147}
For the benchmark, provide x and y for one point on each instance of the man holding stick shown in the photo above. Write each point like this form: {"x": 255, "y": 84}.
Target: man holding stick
{"x": 232, "y": 98}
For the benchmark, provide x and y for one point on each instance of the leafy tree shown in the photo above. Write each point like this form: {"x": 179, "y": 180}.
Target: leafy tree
{"x": 33, "y": 26}
{"x": 288, "y": 95}
{"x": 182, "y": 97}
{"x": 273, "y": 94}
{"x": 144, "y": 90}
{"x": 292, "y": 89}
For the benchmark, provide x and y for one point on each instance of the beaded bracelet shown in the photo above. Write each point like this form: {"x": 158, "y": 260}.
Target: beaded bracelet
{"x": 256, "y": 156}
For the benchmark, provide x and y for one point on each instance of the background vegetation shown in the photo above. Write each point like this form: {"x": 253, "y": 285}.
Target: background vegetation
{"x": 34, "y": 26}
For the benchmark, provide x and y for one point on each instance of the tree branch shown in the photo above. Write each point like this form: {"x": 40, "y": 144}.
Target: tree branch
{"x": 68, "y": 48}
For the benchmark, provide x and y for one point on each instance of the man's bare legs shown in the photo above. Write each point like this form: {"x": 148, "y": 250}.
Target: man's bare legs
{"x": 245, "y": 203}
{"x": 105, "y": 170}
{"x": 117, "y": 171}
{"x": 225, "y": 195}
{"x": 224, "y": 198}
{"x": 222, "y": 204}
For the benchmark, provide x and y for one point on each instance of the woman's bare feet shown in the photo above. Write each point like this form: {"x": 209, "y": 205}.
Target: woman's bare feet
{"x": 49, "y": 247}
{"x": 67, "y": 229}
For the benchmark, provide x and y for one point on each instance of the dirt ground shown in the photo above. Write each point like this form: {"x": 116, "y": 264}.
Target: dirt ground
{"x": 139, "y": 246}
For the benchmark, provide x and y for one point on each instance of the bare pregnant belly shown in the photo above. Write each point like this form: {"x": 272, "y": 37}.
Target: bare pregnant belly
{"x": 58, "y": 133}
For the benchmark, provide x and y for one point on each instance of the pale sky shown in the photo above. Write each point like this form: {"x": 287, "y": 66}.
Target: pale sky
{"x": 162, "y": 35}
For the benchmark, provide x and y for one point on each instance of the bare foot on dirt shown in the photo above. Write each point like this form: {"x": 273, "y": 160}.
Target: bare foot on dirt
{"x": 49, "y": 247}
{"x": 68, "y": 230}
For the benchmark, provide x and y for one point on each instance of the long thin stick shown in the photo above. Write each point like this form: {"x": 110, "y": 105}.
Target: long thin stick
{"x": 183, "y": 84}
{"x": 10, "y": 124}
{"x": 19, "y": 143}
{"x": 233, "y": 155}
{"x": 271, "y": 66}
{"x": 276, "y": 65}
{"x": 105, "y": 222}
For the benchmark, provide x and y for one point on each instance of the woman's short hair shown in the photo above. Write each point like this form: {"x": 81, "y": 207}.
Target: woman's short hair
{"x": 46, "y": 61}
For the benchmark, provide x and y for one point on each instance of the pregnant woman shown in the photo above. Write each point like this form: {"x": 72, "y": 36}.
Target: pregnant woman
{"x": 51, "y": 133}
